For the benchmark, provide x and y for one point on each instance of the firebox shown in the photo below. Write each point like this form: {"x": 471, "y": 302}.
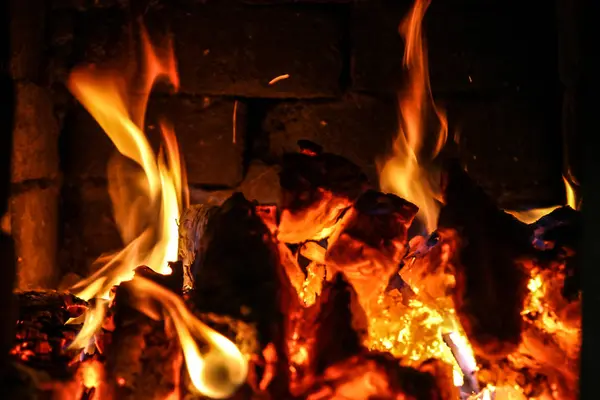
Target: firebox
{"x": 294, "y": 199}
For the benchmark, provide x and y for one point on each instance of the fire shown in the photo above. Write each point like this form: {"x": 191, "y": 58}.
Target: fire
{"x": 531, "y": 216}
{"x": 147, "y": 205}
{"x": 417, "y": 330}
{"x": 222, "y": 369}
{"x": 405, "y": 173}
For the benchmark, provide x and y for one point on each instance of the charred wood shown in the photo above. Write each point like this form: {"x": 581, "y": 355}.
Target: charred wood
{"x": 144, "y": 358}
{"x": 371, "y": 245}
{"x": 237, "y": 275}
{"x": 191, "y": 229}
{"x": 321, "y": 335}
{"x": 491, "y": 282}
{"x": 236, "y": 267}
{"x": 316, "y": 188}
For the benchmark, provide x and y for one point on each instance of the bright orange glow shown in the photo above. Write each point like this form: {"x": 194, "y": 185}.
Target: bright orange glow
{"x": 218, "y": 372}
{"x": 405, "y": 173}
{"x": 550, "y": 311}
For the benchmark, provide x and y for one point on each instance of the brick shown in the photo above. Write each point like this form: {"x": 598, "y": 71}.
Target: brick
{"x": 203, "y": 127}
{"x": 511, "y": 146}
{"x": 27, "y": 34}
{"x": 360, "y": 128}
{"x": 35, "y": 135}
{"x": 472, "y": 45}
{"x": 212, "y": 148}
{"x": 88, "y": 226}
{"x": 103, "y": 37}
{"x": 228, "y": 48}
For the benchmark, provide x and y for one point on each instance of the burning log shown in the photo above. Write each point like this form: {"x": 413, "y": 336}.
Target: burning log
{"x": 370, "y": 247}
{"x": 491, "y": 281}
{"x": 235, "y": 269}
{"x": 321, "y": 335}
{"x": 144, "y": 358}
{"x": 317, "y": 189}
{"x": 375, "y": 375}
{"x": 237, "y": 275}
{"x": 191, "y": 229}
{"x": 34, "y": 204}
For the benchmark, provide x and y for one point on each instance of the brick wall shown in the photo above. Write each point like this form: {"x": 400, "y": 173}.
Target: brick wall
{"x": 493, "y": 65}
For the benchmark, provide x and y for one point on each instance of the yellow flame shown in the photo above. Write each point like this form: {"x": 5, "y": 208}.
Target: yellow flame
{"x": 405, "y": 173}
{"x": 146, "y": 213}
{"x": 570, "y": 192}
{"x": 531, "y": 216}
{"x": 219, "y": 372}
{"x": 147, "y": 206}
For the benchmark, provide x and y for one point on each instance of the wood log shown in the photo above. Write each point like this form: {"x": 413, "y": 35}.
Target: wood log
{"x": 42, "y": 337}
{"x": 321, "y": 335}
{"x": 372, "y": 244}
{"x": 237, "y": 274}
{"x": 144, "y": 358}
{"x": 491, "y": 282}
{"x": 317, "y": 188}
{"x": 192, "y": 226}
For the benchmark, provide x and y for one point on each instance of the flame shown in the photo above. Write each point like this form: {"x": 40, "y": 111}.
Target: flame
{"x": 531, "y": 216}
{"x": 156, "y": 199}
{"x": 146, "y": 207}
{"x": 147, "y": 204}
{"x": 404, "y": 173}
{"x": 571, "y": 197}
{"x": 222, "y": 369}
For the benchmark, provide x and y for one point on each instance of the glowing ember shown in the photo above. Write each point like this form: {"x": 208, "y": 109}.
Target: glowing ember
{"x": 550, "y": 313}
{"x": 406, "y": 173}
{"x": 278, "y": 78}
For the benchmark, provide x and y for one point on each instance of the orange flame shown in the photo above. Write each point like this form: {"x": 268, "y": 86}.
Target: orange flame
{"x": 405, "y": 173}
{"x": 147, "y": 205}
{"x": 147, "y": 211}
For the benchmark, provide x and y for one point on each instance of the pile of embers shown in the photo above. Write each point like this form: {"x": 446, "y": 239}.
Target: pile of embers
{"x": 329, "y": 299}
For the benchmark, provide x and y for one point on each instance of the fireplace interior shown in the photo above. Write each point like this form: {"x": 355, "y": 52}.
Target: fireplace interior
{"x": 318, "y": 199}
